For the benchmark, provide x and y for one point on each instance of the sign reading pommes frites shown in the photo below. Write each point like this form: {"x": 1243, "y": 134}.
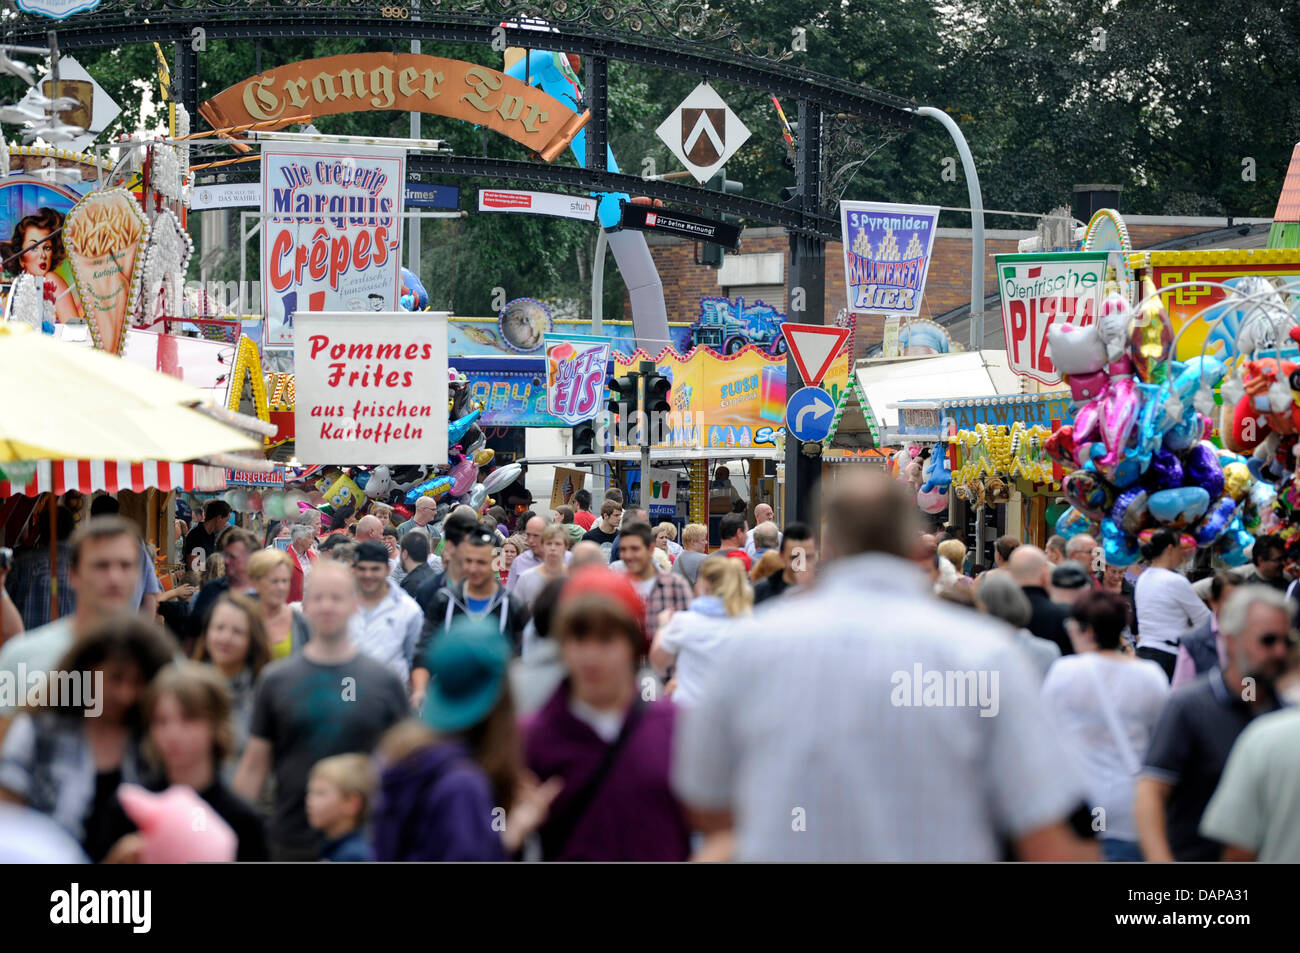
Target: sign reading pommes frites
{"x": 371, "y": 388}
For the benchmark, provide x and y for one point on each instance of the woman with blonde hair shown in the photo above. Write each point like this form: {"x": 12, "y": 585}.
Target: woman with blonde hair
{"x": 555, "y": 544}
{"x": 691, "y": 640}
{"x": 954, "y": 550}
{"x": 214, "y": 567}
{"x": 269, "y": 573}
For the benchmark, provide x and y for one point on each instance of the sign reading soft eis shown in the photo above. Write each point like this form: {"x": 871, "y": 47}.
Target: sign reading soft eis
{"x": 576, "y": 371}
{"x": 371, "y": 388}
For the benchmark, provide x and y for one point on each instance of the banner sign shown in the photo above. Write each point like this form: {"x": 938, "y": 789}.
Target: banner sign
{"x": 887, "y": 252}
{"x": 921, "y": 418}
{"x": 733, "y": 402}
{"x": 371, "y": 388}
{"x": 1039, "y": 290}
{"x": 537, "y": 203}
{"x": 647, "y": 219}
{"x": 432, "y": 196}
{"x": 228, "y": 195}
{"x": 567, "y": 482}
{"x": 249, "y": 478}
{"x": 575, "y": 376}
{"x": 404, "y": 83}
{"x": 331, "y": 241}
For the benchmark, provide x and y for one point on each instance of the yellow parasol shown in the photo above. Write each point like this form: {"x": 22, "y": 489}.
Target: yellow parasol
{"x": 63, "y": 402}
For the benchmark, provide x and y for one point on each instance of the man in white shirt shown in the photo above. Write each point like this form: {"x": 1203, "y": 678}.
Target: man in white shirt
{"x": 762, "y": 514}
{"x": 387, "y": 623}
{"x": 817, "y": 701}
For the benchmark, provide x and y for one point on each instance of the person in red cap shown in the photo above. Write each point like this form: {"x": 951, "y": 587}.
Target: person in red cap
{"x": 611, "y": 747}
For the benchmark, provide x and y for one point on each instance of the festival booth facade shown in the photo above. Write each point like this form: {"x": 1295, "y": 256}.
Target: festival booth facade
{"x": 869, "y": 426}
{"x": 1001, "y": 481}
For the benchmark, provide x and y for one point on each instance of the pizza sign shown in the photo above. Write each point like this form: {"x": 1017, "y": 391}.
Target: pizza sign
{"x": 1039, "y": 290}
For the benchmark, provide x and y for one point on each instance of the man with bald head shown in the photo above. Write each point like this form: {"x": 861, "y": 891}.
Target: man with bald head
{"x": 1032, "y": 570}
{"x": 532, "y": 556}
{"x": 762, "y": 514}
{"x": 369, "y": 529}
{"x": 327, "y": 699}
{"x": 823, "y": 682}
{"x": 586, "y": 553}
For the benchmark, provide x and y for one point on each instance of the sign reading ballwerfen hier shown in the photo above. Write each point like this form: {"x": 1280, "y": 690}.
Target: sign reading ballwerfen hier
{"x": 1040, "y": 290}
{"x": 332, "y": 235}
{"x": 887, "y": 255}
{"x": 371, "y": 388}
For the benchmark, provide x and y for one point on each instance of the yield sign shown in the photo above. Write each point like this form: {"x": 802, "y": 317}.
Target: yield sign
{"x": 813, "y": 347}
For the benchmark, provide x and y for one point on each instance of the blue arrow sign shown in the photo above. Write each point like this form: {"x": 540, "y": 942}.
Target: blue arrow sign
{"x": 809, "y": 413}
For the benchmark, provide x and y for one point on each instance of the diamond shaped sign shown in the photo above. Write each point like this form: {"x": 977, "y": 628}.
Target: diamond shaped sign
{"x": 95, "y": 109}
{"x": 703, "y": 132}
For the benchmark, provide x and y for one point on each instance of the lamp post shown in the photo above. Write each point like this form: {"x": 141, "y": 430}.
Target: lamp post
{"x": 977, "y": 223}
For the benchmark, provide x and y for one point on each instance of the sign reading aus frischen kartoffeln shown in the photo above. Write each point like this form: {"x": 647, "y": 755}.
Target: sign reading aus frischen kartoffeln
{"x": 887, "y": 252}
{"x": 1040, "y": 290}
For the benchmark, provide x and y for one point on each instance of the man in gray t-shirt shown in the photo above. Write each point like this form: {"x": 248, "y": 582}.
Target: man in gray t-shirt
{"x": 327, "y": 700}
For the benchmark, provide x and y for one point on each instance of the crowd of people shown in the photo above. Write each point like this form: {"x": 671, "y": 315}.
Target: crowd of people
{"x": 581, "y": 684}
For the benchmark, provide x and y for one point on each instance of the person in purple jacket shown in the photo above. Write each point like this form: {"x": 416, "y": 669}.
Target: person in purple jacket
{"x": 452, "y": 787}
{"x": 611, "y": 748}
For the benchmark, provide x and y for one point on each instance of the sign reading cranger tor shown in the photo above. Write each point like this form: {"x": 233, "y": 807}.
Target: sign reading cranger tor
{"x": 371, "y": 388}
{"x": 1039, "y": 290}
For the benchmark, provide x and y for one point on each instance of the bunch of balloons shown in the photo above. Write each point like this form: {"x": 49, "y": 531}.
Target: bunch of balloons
{"x": 1138, "y": 443}
{"x": 927, "y": 471}
{"x": 460, "y": 480}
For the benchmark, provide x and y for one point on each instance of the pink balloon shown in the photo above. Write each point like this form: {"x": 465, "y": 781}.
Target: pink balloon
{"x": 463, "y": 475}
{"x": 178, "y": 826}
{"x": 934, "y": 501}
{"x": 1119, "y": 413}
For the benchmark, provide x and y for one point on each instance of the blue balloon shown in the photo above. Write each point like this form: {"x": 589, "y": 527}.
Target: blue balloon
{"x": 1119, "y": 548}
{"x": 1180, "y": 507}
{"x": 1216, "y": 521}
{"x": 1072, "y": 523}
{"x": 413, "y": 297}
{"x": 458, "y": 428}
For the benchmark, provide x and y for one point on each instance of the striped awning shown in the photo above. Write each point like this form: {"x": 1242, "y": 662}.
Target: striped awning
{"x": 88, "y": 476}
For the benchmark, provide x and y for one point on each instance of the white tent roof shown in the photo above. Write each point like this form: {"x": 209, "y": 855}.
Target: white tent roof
{"x": 939, "y": 377}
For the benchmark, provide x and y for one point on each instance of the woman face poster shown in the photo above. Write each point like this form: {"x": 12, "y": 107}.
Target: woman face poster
{"x": 31, "y": 241}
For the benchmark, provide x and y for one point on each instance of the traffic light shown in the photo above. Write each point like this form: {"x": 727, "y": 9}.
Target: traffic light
{"x": 708, "y": 254}
{"x": 584, "y": 439}
{"x": 657, "y": 387}
{"x": 720, "y": 183}
{"x": 624, "y": 402}
{"x": 711, "y": 254}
